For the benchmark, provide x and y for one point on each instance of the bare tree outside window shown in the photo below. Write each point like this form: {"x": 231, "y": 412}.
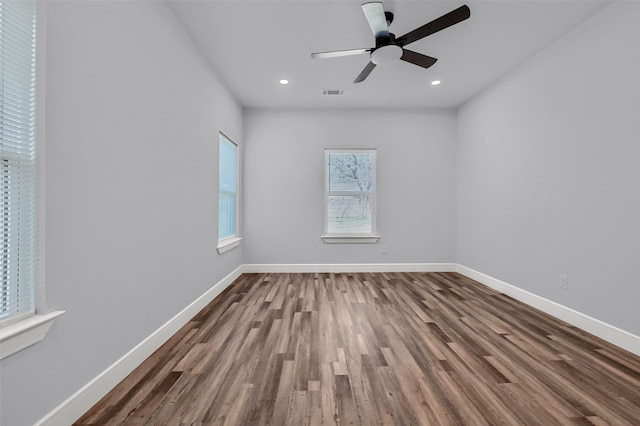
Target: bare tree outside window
{"x": 350, "y": 184}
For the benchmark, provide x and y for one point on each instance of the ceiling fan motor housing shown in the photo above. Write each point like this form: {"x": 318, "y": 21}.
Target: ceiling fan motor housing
{"x": 389, "y": 17}
{"x": 383, "y": 41}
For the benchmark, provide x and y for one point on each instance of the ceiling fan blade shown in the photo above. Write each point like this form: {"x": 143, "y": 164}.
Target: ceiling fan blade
{"x": 445, "y": 21}
{"x": 418, "y": 59}
{"x": 365, "y": 72}
{"x": 338, "y": 53}
{"x": 374, "y": 12}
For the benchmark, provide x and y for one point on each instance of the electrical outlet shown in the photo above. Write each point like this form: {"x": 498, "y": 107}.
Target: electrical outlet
{"x": 564, "y": 282}
{"x": 384, "y": 250}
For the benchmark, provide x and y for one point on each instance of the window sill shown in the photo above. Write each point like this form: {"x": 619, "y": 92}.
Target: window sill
{"x": 20, "y": 335}
{"x": 350, "y": 239}
{"x": 227, "y": 244}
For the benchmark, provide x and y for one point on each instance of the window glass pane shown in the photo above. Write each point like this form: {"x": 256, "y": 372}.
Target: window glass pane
{"x": 350, "y": 171}
{"x": 227, "y": 191}
{"x": 17, "y": 158}
{"x": 349, "y": 214}
{"x": 227, "y": 214}
{"x": 228, "y": 161}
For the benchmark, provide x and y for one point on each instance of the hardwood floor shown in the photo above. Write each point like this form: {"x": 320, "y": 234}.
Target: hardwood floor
{"x": 375, "y": 349}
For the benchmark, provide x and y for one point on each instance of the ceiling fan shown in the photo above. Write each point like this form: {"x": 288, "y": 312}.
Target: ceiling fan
{"x": 388, "y": 47}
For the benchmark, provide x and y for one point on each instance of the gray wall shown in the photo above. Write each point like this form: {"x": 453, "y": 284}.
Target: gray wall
{"x": 284, "y": 172}
{"x": 133, "y": 114}
{"x": 549, "y": 172}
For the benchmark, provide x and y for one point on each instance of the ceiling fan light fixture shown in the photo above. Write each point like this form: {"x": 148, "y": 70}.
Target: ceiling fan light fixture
{"x": 435, "y": 82}
{"x": 386, "y": 54}
{"x": 390, "y": 48}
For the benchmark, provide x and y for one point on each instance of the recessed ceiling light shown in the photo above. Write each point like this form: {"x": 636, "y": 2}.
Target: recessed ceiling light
{"x": 435, "y": 82}
{"x": 283, "y": 81}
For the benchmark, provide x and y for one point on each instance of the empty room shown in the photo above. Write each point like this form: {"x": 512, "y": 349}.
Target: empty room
{"x": 320, "y": 212}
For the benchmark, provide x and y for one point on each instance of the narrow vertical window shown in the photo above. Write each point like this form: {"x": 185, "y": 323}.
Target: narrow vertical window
{"x": 227, "y": 195}
{"x": 350, "y": 195}
{"x": 17, "y": 159}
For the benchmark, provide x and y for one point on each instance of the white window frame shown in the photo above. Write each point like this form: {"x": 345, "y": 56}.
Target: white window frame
{"x": 229, "y": 242}
{"x": 350, "y": 238}
{"x": 23, "y": 330}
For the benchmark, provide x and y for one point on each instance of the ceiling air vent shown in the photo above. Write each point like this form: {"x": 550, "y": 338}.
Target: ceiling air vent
{"x": 333, "y": 92}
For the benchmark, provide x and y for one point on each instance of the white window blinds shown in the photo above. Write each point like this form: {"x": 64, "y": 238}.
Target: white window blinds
{"x": 227, "y": 193}
{"x": 17, "y": 157}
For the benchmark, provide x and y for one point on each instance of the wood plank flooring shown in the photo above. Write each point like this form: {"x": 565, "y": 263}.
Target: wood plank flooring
{"x": 375, "y": 349}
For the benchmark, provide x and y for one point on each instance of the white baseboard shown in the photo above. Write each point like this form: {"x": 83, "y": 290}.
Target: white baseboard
{"x": 349, "y": 267}
{"x": 80, "y": 402}
{"x": 591, "y": 325}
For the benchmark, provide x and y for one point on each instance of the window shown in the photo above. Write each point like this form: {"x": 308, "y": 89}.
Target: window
{"x": 20, "y": 327}
{"x": 227, "y": 195}
{"x": 17, "y": 158}
{"x": 350, "y": 196}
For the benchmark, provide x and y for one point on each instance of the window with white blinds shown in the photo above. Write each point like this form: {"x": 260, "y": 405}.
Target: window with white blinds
{"x": 228, "y": 189}
{"x": 17, "y": 158}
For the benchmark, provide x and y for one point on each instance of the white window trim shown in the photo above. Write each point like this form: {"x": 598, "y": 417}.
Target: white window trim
{"x": 351, "y": 238}
{"x": 20, "y": 332}
{"x": 228, "y": 243}
{"x": 24, "y": 333}
{"x": 232, "y": 241}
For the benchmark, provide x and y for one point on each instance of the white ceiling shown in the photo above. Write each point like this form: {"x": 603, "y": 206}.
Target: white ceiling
{"x": 254, "y": 44}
